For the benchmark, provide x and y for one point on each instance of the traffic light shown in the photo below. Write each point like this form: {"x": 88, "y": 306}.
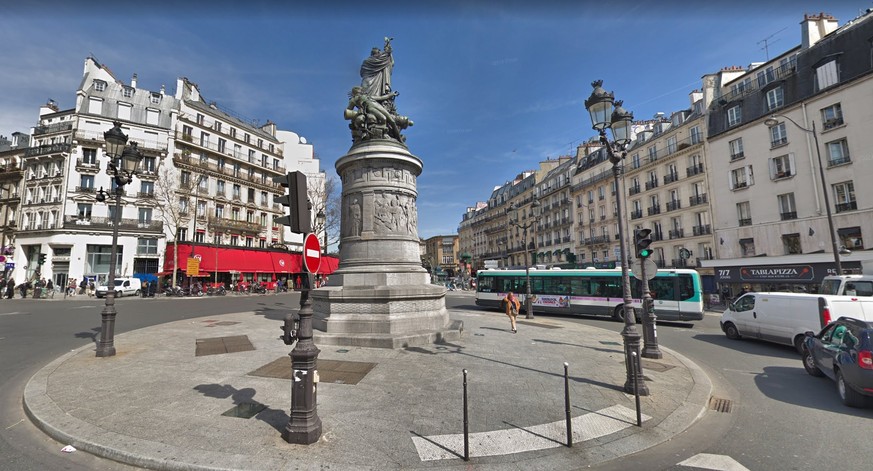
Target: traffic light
{"x": 298, "y": 218}
{"x": 41, "y": 259}
{"x": 642, "y": 241}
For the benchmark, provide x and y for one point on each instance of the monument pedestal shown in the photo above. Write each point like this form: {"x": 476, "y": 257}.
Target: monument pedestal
{"x": 380, "y": 296}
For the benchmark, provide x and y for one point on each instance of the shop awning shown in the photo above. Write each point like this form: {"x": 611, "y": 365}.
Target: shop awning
{"x": 242, "y": 260}
{"x": 328, "y": 265}
{"x": 284, "y": 262}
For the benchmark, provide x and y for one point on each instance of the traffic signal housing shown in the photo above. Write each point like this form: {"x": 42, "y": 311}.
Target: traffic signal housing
{"x": 41, "y": 259}
{"x": 642, "y": 241}
{"x": 298, "y": 218}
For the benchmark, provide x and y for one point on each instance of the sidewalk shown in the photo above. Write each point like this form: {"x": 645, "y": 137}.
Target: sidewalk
{"x": 158, "y": 404}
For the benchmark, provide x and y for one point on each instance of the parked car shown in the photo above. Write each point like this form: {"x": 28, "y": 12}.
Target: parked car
{"x": 849, "y": 285}
{"x": 123, "y": 287}
{"x": 843, "y": 351}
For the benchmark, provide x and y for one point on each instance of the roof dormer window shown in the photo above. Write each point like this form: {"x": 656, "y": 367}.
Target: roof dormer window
{"x": 156, "y": 98}
{"x": 99, "y": 85}
{"x": 127, "y": 92}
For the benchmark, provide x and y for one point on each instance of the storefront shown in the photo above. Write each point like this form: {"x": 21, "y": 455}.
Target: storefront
{"x": 796, "y": 278}
{"x": 231, "y": 264}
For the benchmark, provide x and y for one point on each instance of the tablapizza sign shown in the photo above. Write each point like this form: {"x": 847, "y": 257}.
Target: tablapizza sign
{"x": 776, "y": 273}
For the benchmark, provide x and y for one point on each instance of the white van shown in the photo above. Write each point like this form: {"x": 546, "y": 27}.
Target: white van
{"x": 848, "y": 285}
{"x": 785, "y": 317}
{"x": 123, "y": 287}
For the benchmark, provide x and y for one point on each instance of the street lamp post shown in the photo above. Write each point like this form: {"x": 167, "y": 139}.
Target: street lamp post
{"x": 124, "y": 161}
{"x": 772, "y": 121}
{"x": 515, "y": 221}
{"x": 320, "y": 221}
{"x": 600, "y": 106}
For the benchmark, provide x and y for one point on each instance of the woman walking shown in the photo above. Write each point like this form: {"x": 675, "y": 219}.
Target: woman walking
{"x": 512, "y": 306}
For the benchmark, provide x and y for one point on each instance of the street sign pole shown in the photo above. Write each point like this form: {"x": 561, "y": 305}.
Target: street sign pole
{"x": 304, "y": 427}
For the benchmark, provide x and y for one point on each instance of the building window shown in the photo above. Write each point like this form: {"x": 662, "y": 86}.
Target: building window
{"x": 736, "y": 149}
{"x": 832, "y": 116}
{"x": 148, "y": 165}
{"x": 84, "y": 211}
{"x": 791, "y": 244}
{"x": 153, "y": 117}
{"x": 734, "y": 115}
{"x": 838, "y": 152}
{"x": 201, "y": 209}
{"x": 156, "y": 98}
{"x": 199, "y": 237}
{"x": 850, "y": 237}
{"x": 124, "y": 111}
{"x": 145, "y": 215}
{"x": 222, "y": 144}
{"x": 635, "y": 161}
{"x": 99, "y": 85}
{"x": 95, "y": 106}
{"x": 217, "y": 126}
{"x": 87, "y": 182}
{"x": 147, "y": 188}
{"x": 147, "y": 246}
{"x": 183, "y": 205}
{"x": 826, "y": 75}
{"x": 787, "y": 209}
{"x": 747, "y": 247}
{"x": 89, "y": 156}
{"x": 236, "y": 191}
{"x": 744, "y": 214}
{"x": 741, "y": 178}
{"x": 775, "y": 99}
{"x": 782, "y": 167}
{"x": 671, "y": 144}
{"x": 778, "y": 136}
{"x": 765, "y": 76}
{"x": 653, "y": 153}
{"x": 696, "y": 136}
{"x": 844, "y": 196}
{"x": 219, "y": 188}
{"x": 127, "y": 92}
{"x": 185, "y": 179}
{"x": 182, "y": 235}
{"x": 219, "y": 211}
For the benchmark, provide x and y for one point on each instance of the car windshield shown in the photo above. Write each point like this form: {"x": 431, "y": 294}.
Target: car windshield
{"x": 118, "y": 282}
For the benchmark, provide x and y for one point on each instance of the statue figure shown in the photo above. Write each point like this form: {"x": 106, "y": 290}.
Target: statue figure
{"x": 371, "y": 108}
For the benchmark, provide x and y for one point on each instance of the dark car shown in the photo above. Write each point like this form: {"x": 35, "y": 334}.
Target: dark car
{"x": 843, "y": 351}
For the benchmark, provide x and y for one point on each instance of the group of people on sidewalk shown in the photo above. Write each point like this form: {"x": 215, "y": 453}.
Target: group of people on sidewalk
{"x": 41, "y": 288}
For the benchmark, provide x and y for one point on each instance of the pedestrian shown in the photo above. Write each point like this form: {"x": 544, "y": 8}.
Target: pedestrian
{"x": 50, "y": 289}
{"x": 83, "y": 285}
{"x": 37, "y": 290}
{"x": 746, "y": 289}
{"x": 299, "y": 282}
{"x": 10, "y": 288}
{"x": 511, "y": 304}
{"x": 145, "y": 289}
{"x": 90, "y": 289}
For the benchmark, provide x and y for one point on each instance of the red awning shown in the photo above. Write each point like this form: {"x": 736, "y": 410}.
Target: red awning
{"x": 328, "y": 265}
{"x": 243, "y": 260}
{"x": 284, "y": 262}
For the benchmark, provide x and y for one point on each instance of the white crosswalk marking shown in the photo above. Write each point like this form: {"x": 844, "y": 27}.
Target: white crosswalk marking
{"x": 713, "y": 462}
{"x": 537, "y": 437}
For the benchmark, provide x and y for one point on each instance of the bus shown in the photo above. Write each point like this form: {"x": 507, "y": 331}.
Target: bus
{"x": 677, "y": 292}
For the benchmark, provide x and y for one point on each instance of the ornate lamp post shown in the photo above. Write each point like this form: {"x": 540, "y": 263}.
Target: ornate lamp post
{"x": 772, "y": 121}
{"x": 321, "y": 221}
{"x": 124, "y": 161}
{"x": 534, "y": 218}
{"x": 600, "y": 106}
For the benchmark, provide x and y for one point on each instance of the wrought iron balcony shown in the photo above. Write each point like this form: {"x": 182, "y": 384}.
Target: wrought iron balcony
{"x": 92, "y": 222}
{"x": 851, "y": 205}
{"x": 677, "y": 233}
{"x": 694, "y": 170}
{"x": 788, "y": 215}
{"x": 695, "y": 200}
{"x": 673, "y": 205}
{"x": 702, "y": 230}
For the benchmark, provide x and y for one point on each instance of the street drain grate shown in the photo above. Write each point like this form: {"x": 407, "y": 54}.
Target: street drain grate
{"x": 655, "y": 366}
{"x": 329, "y": 371}
{"x": 537, "y": 324}
{"x": 720, "y": 404}
{"x": 219, "y": 345}
{"x": 245, "y": 410}
{"x": 222, "y": 323}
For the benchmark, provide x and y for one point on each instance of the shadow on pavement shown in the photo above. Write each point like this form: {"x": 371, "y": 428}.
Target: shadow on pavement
{"x": 95, "y": 331}
{"x": 432, "y": 442}
{"x": 606, "y": 350}
{"x": 795, "y": 386}
{"x": 751, "y": 346}
{"x": 275, "y": 418}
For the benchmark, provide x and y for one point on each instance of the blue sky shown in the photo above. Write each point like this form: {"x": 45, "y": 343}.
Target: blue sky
{"x": 493, "y": 87}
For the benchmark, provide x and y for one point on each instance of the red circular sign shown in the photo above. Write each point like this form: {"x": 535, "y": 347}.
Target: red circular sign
{"x": 311, "y": 253}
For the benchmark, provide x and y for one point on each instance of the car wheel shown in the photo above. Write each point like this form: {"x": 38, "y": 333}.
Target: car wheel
{"x": 119, "y": 294}
{"x": 731, "y": 331}
{"x": 849, "y": 396}
{"x": 809, "y": 365}
{"x": 137, "y": 293}
{"x": 799, "y": 344}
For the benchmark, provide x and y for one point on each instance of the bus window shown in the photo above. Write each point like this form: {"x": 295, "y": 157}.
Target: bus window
{"x": 611, "y": 288}
{"x": 662, "y": 288}
{"x": 580, "y": 287}
{"x": 686, "y": 287}
{"x": 485, "y": 284}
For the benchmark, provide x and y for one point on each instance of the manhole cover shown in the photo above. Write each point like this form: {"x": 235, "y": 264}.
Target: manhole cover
{"x": 245, "y": 410}
{"x": 223, "y": 323}
{"x": 655, "y": 366}
{"x": 219, "y": 345}
{"x": 329, "y": 371}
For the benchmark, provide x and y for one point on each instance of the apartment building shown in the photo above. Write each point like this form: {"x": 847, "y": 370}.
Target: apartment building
{"x": 11, "y": 158}
{"x": 554, "y": 234}
{"x": 442, "y": 254}
{"x": 769, "y": 195}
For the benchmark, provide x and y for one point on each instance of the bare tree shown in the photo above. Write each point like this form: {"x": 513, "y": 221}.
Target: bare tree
{"x": 326, "y": 199}
{"x": 171, "y": 210}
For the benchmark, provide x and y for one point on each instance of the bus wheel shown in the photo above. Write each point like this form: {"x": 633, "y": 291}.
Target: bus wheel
{"x": 619, "y": 313}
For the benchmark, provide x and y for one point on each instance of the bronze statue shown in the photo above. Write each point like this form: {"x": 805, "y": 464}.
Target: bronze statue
{"x": 371, "y": 108}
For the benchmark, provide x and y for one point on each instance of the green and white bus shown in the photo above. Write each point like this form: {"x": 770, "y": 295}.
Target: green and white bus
{"x": 677, "y": 292}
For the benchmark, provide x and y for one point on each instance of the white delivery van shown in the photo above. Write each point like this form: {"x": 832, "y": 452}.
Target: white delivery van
{"x": 849, "y": 285}
{"x": 785, "y": 317}
{"x": 123, "y": 287}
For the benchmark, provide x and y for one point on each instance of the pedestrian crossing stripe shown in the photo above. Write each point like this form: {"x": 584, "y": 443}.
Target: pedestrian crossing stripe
{"x": 713, "y": 462}
{"x": 518, "y": 440}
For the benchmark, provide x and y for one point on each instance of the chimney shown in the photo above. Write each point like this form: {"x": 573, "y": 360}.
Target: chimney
{"x": 695, "y": 96}
{"x": 48, "y": 108}
{"x": 163, "y": 89}
{"x": 133, "y": 81}
{"x": 814, "y": 27}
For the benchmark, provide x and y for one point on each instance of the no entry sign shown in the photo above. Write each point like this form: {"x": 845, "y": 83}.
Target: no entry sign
{"x": 311, "y": 253}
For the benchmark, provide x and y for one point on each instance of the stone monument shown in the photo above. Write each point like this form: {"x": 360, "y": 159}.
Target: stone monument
{"x": 380, "y": 296}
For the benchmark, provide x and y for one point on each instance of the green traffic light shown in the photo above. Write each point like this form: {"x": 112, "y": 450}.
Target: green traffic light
{"x": 645, "y": 253}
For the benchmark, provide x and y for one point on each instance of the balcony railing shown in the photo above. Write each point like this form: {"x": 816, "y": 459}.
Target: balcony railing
{"x": 677, "y": 233}
{"x": 694, "y": 170}
{"x": 670, "y": 178}
{"x": 85, "y": 189}
{"x": 788, "y": 215}
{"x": 737, "y": 156}
{"x": 698, "y": 199}
{"x": 222, "y": 223}
{"x": 673, "y": 205}
{"x": 841, "y": 161}
{"x": 851, "y": 205}
{"x": 745, "y": 222}
{"x": 106, "y": 223}
{"x": 783, "y": 174}
{"x": 656, "y": 236}
{"x": 52, "y": 128}
{"x": 47, "y": 149}
{"x": 636, "y": 214}
{"x": 651, "y": 184}
{"x": 654, "y": 210}
{"x": 634, "y": 190}
{"x": 702, "y": 230}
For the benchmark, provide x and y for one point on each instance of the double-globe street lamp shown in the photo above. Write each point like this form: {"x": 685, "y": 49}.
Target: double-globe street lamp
{"x": 772, "y": 121}
{"x": 607, "y": 113}
{"x": 534, "y": 217}
{"x": 124, "y": 160}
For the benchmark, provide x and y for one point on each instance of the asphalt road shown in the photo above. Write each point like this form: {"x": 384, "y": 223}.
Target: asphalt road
{"x": 781, "y": 418}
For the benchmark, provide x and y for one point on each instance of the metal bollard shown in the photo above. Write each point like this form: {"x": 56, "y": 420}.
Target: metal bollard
{"x": 466, "y": 422}
{"x": 636, "y": 367}
{"x": 567, "y": 405}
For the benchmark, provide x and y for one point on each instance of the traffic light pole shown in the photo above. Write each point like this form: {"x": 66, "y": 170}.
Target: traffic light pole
{"x": 650, "y": 329}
